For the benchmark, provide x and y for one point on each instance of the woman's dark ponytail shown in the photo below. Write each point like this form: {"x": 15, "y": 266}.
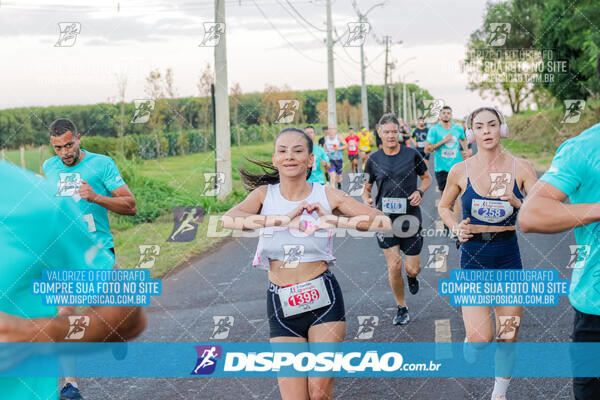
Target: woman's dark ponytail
{"x": 270, "y": 175}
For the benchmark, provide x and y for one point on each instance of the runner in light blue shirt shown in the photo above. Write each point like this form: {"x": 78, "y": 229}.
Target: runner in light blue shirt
{"x": 92, "y": 180}
{"x": 574, "y": 173}
{"x": 445, "y": 140}
{"x": 321, "y": 156}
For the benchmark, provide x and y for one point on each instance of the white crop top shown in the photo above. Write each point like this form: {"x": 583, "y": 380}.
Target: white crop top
{"x": 293, "y": 245}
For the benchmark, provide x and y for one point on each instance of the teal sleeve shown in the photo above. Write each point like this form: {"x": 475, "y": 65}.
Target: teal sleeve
{"x": 325, "y": 156}
{"x": 45, "y": 167}
{"x": 73, "y": 247}
{"x": 431, "y": 136}
{"x": 565, "y": 172}
{"x": 462, "y": 132}
{"x": 112, "y": 176}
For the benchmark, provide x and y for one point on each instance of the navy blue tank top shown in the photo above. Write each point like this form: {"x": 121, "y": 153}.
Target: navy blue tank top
{"x": 488, "y": 210}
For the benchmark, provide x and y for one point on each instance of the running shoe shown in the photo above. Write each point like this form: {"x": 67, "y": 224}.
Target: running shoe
{"x": 70, "y": 392}
{"x": 413, "y": 284}
{"x": 402, "y": 316}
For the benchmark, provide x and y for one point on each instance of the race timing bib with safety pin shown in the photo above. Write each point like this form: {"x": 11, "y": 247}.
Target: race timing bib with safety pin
{"x": 420, "y": 144}
{"x": 393, "y": 205}
{"x": 303, "y": 297}
{"x": 491, "y": 211}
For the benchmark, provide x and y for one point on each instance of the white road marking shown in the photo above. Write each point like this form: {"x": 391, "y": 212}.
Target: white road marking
{"x": 443, "y": 334}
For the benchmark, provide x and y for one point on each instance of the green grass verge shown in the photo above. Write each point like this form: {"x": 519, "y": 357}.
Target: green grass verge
{"x": 32, "y": 157}
{"x": 184, "y": 175}
{"x": 536, "y": 135}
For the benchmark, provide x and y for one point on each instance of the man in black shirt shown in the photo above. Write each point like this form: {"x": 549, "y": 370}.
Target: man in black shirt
{"x": 395, "y": 169}
{"x": 420, "y": 135}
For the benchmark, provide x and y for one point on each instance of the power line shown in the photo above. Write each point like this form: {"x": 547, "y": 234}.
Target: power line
{"x": 283, "y": 36}
{"x": 304, "y": 19}
{"x": 299, "y": 21}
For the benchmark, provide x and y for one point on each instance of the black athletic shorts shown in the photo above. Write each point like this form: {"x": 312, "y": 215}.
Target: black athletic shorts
{"x": 298, "y": 325}
{"x": 352, "y": 157}
{"x": 441, "y": 177}
{"x": 411, "y": 246}
{"x": 586, "y": 328}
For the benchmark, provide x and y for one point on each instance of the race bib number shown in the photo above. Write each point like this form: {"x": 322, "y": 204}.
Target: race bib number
{"x": 303, "y": 297}
{"x": 393, "y": 205}
{"x": 352, "y": 146}
{"x": 89, "y": 218}
{"x": 365, "y": 148}
{"x": 421, "y": 144}
{"x": 449, "y": 153}
{"x": 491, "y": 211}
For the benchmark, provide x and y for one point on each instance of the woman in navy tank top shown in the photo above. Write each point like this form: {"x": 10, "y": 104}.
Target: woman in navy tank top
{"x": 491, "y": 185}
{"x": 296, "y": 221}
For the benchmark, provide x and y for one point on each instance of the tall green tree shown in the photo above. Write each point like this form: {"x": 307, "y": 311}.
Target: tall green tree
{"x": 488, "y": 61}
{"x": 571, "y": 28}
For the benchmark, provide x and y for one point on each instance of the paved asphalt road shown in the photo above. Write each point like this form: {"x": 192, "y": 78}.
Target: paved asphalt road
{"x": 224, "y": 283}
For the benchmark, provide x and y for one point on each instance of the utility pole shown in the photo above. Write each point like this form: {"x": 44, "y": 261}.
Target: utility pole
{"x": 404, "y": 100}
{"x": 223, "y": 137}
{"x": 331, "y": 99}
{"x": 363, "y": 88}
{"x": 363, "y": 91}
{"x": 414, "y": 107}
{"x": 391, "y": 89}
{"x": 385, "y": 74}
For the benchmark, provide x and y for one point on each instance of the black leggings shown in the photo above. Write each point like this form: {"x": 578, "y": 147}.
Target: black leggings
{"x": 298, "y": 325}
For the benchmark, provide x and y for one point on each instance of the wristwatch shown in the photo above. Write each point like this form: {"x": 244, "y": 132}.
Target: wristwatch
{"x": 420, "y": 192}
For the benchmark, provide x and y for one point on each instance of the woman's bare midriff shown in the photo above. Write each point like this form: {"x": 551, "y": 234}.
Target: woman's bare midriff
{"x": 303, "y": 272}
{"x": 485, "y": 228}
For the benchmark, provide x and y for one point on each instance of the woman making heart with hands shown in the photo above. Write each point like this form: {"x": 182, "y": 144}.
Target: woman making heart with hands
{"x": 296, "y": 219}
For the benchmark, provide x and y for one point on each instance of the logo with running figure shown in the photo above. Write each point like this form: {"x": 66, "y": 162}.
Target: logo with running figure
{"x": 68, "y": 34}
{"x": 223, "y": 323}
{"x": 148, "y": 255}
{"x": 499, "y": 183}
{"x": 497, "y": 33}
{"x": 213, "y": 31}
{"x": 437, "y": 256}
{"x": 207, "y": 359}
{"x": 292, "y": 255}
{"x": 68, "y": 184}
{"x": 77, "y": 325}
{"x": 579, "y": 253}
{"x": 432, "y": 109}
{"x": 357, "y": 33}
{"x": 356, "y": 183}
{"x": 143, "y": 109}
{"x": 366, "y": 326}
{"x": 508, "y": 326}
{"x": 213, "y": 182}
{"x": 287, "y": 111}
{"x": 573, "y": 110}
{"x": 186, "y": 220}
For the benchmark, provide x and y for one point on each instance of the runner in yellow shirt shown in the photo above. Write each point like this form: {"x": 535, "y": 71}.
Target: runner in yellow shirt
{"x": 364, "y": 144}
